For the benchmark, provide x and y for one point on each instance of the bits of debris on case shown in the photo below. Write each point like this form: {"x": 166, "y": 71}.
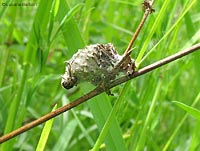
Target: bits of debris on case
{"x": 95, "y": 64}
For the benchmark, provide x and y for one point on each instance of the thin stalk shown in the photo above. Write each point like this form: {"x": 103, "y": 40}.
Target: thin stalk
{"x": 99, "y": 90}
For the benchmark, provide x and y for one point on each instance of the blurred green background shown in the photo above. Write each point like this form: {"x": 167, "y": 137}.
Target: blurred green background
{"x": 36, "y": 38}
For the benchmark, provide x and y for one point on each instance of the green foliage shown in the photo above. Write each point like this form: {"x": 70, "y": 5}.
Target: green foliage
{"x": 36, "y": 40}
{"x": 192, "y": 111}
{"x": 45, "y": 133}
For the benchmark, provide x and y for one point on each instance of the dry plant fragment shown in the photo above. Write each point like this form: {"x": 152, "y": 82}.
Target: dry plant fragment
{"x": 147, "y": 6}
{"x": 98, "y": 64}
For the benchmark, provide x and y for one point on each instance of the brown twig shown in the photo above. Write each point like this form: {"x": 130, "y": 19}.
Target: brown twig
{"x": 98, "y": 91}
{"x": 156, "y": 65}
{"x": 147, "y": 6}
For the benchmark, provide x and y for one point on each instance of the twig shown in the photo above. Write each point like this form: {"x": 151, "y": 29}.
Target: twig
{"x": 147, "y": 6}
{"x": 98, "y": 91}
{"x": 156, "y": 65}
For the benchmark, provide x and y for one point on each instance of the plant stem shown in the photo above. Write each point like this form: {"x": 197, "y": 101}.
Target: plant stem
{"x": 135, "y": 35}
{"x": 97, "y": 91}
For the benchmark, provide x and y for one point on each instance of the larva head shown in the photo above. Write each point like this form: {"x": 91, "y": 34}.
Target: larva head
{"x": 68, "y": 82}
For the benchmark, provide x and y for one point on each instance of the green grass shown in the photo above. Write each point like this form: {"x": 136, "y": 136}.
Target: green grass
{"x": 45, "y": 133}
{"x": 36, "y": 40}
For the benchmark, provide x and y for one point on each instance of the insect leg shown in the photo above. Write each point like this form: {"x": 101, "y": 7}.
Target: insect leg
{"x": 68, "y": 67}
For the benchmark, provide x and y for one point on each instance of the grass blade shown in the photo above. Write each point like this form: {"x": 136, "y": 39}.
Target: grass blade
{"x": 192, "y": 111}
{"x": 101, "y": 108}
{"x": 45, "y": 133}
{"x": 140, "y": 59}
{"x": 143, "y": 135}
{"x": 66, "y": 18}
{"x": 153, "y": 29}
{"x": 166, "y": 146}
{"x": 111, "y": 118}
{"x": 67, "y": 133}
{"x": 28, "y": 58}
{"x": 74, "y": 42}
